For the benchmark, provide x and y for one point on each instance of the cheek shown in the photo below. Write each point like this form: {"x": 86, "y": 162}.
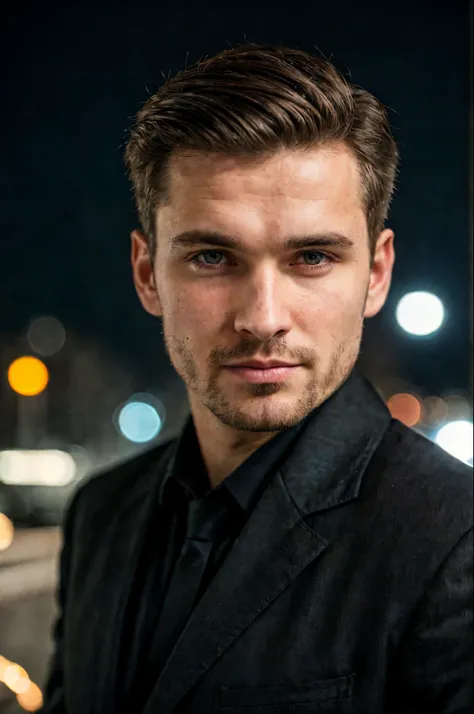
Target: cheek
{"x": 194, "y": 312}
{"x": 331, "y": 312}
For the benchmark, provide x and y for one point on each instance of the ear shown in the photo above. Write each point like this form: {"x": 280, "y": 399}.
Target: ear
{"x": 143, "y": 274}
{"x": 381, "y": 273}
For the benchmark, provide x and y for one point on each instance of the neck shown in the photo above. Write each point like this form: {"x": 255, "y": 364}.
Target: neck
{"x": 223, "y": 448}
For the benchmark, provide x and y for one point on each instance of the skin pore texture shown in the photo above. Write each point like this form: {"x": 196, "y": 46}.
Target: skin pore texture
{"x": 258, "y": 296}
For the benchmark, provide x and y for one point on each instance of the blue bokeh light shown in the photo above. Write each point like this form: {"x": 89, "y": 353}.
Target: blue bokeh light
{"x": 139, "y": 422}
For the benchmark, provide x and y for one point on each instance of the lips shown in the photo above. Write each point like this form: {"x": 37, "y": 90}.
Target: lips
{"x": 255, "y": 364}
{"x": 263, "y": 374}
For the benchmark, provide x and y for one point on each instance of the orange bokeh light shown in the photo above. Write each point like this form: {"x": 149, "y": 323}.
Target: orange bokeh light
{"x": 7, "y": 532}
{"x": 4, "y": 663}
{"x": 28, "y": 694}
{"x": 13, "y": 674}
{"x": 32, "y": 699}
{"x": 406, "y": 408}
{"x": 28, "y": 376}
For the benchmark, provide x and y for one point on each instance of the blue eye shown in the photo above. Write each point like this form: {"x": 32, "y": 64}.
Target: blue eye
{"x": 312, "y": 259}
{"x": 215, "y": 255}
{"x": 315, "y": 257}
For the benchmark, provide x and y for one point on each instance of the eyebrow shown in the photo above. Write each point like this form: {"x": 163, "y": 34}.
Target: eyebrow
{"x": 196, "y": 237}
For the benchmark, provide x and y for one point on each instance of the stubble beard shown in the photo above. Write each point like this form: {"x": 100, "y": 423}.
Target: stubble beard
{"x": 266, "y": 417}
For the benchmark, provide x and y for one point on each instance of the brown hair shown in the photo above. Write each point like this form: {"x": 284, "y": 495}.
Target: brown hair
{"x": 254, "y": 100}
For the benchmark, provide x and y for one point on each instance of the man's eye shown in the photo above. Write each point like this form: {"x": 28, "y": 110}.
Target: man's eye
{"x": 215, "y": 258}
{"x": 212, "y": 257}
{"x": 314, "y": 257}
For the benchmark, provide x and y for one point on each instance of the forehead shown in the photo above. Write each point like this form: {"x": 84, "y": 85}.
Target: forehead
{"x": 285, "y": 192}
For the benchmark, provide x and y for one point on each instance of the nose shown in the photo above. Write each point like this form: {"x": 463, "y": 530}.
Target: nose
{"x": 261, "y": 310}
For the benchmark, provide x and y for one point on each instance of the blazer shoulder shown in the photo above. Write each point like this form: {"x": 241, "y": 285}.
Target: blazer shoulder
{"x": 424, "y": 480}
{"x": 109, "y": 486}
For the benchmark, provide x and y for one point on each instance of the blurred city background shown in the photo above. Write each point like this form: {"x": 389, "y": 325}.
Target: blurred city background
{"x": 84, "y": 378}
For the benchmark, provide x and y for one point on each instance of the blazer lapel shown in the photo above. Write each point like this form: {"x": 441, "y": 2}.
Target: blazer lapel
{"x": 273, "y": 548}
{"x": 276, "y": 544}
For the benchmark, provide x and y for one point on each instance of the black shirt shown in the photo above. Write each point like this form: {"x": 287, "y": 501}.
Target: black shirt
{"x": 237, "y": 494}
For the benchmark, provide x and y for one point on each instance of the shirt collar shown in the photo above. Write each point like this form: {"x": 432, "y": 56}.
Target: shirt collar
{"x": 189, "y": 477}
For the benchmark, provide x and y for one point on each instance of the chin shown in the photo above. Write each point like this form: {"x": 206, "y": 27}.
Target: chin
{"x": 272, "y": 412}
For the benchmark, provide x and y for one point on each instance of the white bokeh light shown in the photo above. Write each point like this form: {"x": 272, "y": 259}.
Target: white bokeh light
{"x": 48, "y": 467}
{"x": 139, "y": 422}
{"x": 456, "y": 438}
{"x": 420, "y": 313}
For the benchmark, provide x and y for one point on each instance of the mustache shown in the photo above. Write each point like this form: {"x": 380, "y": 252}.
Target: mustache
{"x": 251, "y": 349}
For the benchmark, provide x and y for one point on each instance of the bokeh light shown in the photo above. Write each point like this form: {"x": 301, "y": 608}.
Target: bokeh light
{"x": 420, "y": 313}
{"x": 435, "y": 411}
{"x": 28, "y": 376}
{"x": 36, "y": 467}
{"x": 139, "y": 422}
{"x": 22, "y": 685}
{"x": 456, "y": 438}
{"x": 406, "y": 408}
{"x": 4, "y": 663}
{"x": 32, "y": 699}
{"x": 46, "y": 335}
{"x": 16, "y": 678}
{"x": 458, "y": 407}
{"x": 7, "y": 532}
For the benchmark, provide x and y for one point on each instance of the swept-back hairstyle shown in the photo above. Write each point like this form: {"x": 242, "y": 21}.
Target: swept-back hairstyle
{"x": 255, "y": 100}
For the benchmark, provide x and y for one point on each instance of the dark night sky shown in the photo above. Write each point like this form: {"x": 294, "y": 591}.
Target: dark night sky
{"x": 74, "y": 74}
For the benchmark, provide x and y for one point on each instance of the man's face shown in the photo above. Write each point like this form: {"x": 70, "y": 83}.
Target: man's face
{"x": 231, "y": 288}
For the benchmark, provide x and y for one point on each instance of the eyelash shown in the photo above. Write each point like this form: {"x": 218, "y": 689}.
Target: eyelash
{"x": 214, "y": 266}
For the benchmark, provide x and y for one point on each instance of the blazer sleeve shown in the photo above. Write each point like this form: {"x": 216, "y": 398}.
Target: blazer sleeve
{"x": 435, "y": 672}
{"x": 54, "y": 699}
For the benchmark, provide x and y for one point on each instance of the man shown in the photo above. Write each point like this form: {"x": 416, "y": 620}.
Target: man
{"x": 295, "y": 549}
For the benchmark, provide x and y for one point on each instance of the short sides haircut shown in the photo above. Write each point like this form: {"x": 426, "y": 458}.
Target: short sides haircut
{"x": 253, "y": 101}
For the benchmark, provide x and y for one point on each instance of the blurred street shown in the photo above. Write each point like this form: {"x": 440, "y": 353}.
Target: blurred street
{"x": 27, "y": 584}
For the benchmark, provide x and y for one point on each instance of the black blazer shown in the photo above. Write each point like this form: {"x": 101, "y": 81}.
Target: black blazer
{"x": 349, "y": 589}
